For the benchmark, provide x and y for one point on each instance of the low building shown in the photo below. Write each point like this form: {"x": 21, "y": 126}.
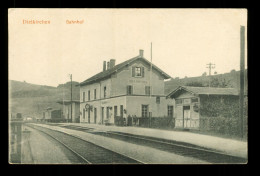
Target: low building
{"x": 192, "y": 103}
{"x": 52, "y": 115}
{"x": 132, "y": 88}
{"x": 66, "y": 110}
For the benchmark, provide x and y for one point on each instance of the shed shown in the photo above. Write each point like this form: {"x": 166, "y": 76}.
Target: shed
{"x": 191, "y": 102}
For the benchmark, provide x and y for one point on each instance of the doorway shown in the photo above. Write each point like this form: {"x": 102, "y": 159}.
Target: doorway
{"x": 186, "y": 117}
{"x": 102, "y": 115}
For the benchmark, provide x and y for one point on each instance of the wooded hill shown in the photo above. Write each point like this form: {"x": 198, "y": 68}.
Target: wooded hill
{"x": 229, "y": 80}
{"x": 32, "y": 99}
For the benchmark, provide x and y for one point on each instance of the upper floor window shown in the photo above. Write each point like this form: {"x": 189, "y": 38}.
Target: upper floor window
{"x": 88, "y": 95}
{"x": 129, "y": 90}
{"x": 95, "y": 93}
{"x": 137, "y": 71}
{"x": 105, "y": 92}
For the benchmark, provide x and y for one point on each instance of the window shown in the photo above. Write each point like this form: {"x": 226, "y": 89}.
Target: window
{"x": 170, "y": 111}
{"x": 179, "y": 101}
{"x": 115, "y": 111}
{"x": 144, "y": 110}
{"x": 137, "y": 71}
{"x": 129, "y": 90}
{"x": 158, "y": 100}
{"x": 194, "y": 100}
{"x": 95, "y": 94}
{"x": 88, "y": 95}
{"x": 83, "y": 96}
{"x": 121, "y": 110}
{"x": 105, "y": 91}
{"x": 147, "y": 90}
{"x": 107, "y": 112}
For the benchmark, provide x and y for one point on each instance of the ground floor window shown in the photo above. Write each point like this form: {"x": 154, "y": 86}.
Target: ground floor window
{"x": 121, "y": 110}
{"x": 83, "y": 113}
{"x": 170, "y": 111}
{"x": 144, "y": 110}
{"x": 115, "y": 111}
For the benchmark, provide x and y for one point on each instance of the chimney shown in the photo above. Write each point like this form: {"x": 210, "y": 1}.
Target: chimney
{"x": 112, "y": 63}
{"x": 108, "y": 65}
{"x": 104, "y": 65}
{"x": 141, "y": 53}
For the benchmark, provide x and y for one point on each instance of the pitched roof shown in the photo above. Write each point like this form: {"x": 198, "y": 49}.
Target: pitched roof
{"x": 107, "y": 73}
{"x": 205, "y": 91}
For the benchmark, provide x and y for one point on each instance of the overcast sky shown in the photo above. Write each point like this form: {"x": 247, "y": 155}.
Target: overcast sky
{"x": 184, "y": 41}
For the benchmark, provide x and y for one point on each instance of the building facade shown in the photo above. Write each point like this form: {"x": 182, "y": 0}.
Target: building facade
{"x": 132, "y": 88}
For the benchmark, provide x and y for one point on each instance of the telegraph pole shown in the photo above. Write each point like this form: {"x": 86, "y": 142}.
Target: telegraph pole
{"x": 242, "y": 68}
{"x": 71, "y": 96}
{"x": 150, "y": 82}
{"x": 210, "y": 66}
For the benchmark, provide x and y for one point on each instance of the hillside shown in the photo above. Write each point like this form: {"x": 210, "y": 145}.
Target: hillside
{"x": 32, "y": 99}
{"x": 232, "y": 79}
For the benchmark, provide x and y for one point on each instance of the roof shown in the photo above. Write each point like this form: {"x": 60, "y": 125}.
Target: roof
{"x": 66, "y": 102}
{"x": 205, "y": 91}
{"x": 109, "y": 72}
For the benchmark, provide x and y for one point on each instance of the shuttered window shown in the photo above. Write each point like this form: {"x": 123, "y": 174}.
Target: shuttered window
{"x": 137, "y": 71}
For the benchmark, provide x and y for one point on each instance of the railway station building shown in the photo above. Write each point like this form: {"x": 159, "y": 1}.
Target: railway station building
{"x": 132, "y": 88}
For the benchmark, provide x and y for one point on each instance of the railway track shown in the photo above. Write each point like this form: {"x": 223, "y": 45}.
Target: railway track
{"x": 87, "y": 152}
{"x": 182, "y": 149}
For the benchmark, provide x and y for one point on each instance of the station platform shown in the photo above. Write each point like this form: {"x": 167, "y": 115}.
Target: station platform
{"x": 228, "y": 146}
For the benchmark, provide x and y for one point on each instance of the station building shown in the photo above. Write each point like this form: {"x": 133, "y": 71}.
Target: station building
{"x": 132, "y": 88}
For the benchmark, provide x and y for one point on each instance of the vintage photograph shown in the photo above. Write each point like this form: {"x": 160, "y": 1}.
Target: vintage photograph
{"x": 127, "y": 86}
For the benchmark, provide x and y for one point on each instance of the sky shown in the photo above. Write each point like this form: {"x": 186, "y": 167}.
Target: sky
{"x": 183, "y": 41}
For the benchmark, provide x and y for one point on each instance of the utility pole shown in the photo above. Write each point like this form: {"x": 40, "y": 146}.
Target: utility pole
{"x": 71, "y": 96}
{"x": 242, "y": 77}
{"x": 150, "y": 114}
{"x": 210, "y": 66}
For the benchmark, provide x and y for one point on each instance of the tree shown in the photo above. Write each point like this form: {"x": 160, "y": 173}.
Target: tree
{"x": 204, "y": 74}
{"x": 220, "y": 82}
{"x": 194, "y": 84}
{"x": 215, "y": 72}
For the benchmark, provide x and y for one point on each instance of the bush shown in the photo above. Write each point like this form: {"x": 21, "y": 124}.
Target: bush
{"x": 222, "y": 125}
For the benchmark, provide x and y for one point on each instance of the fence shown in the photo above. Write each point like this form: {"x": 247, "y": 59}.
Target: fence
{"x": 153, "y": 122}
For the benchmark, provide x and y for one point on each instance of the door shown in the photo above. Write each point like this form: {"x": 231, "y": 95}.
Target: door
{"x": 102, "y": 115}
{"x": 89, "y": 115}
{"x": 95, "y": 115}
{"x": 186, "y": 117}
